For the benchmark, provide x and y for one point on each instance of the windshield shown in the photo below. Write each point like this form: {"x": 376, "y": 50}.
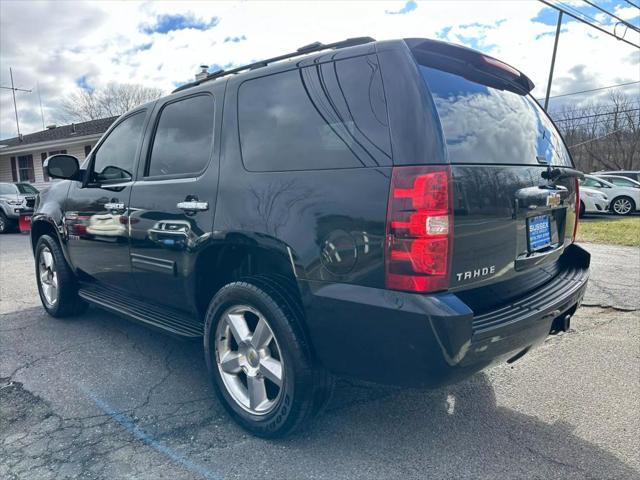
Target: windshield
{"x": 482, "y": 124}
{"x": 26, "y": 188}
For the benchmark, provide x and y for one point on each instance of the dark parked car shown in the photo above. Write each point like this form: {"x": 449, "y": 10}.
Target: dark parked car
{"x": 397, "y": 211}
{"x": 16, "y": 199}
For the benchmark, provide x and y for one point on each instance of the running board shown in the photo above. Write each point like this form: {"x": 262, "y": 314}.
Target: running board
{"x": 152, "y": 315}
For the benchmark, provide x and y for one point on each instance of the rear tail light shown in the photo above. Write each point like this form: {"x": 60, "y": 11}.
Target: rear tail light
{"x": 575, "y": 225}
{"x": 419, "y": 229}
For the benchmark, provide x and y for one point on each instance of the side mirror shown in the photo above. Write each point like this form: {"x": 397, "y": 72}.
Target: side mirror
{"x": 62, "y": 166}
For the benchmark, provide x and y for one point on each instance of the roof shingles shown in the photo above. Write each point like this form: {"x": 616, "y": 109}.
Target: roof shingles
{"x": 91, "y": 127}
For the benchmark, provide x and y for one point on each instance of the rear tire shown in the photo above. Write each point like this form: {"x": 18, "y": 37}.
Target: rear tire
{"x": 623, "y": 206}
{"x": 297, "y": 391}
{"x": 582, "y": 209}
{"x": 57, "y": 284}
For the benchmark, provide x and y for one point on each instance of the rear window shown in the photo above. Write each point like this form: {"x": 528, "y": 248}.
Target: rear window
{"x": 327, "y": 116}
{"x": 483, "y": 124}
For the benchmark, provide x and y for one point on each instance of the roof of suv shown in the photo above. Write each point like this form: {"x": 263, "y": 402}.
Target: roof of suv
{"x": 316, "y": 47}
{"x": 443, "y": 51}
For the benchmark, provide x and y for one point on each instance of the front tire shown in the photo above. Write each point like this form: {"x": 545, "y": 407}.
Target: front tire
{"x": 5, "y": 225}
{"x": 259, "y": 361}
{"x": 623, "y": 206}
{"x": 57, "y": 285}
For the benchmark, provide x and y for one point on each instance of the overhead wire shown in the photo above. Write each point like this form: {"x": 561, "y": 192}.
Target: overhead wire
{"x": 597, "y": 138}
{"x": 607, "y": 12}
{"x": 590, "y": 90}
{"x": 572, "y": 15}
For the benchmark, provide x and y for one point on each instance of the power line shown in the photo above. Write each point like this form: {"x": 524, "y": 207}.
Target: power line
{"x": 556, "y": 7}
{"x": 597, "y": 138}
{"x": 578, "y": 12}
{"x": 632, "y": 4}
{"x": 591, "y": 90}
{"x": 572, "y": 111}
{"x": 596, "y": 124}
{"x": 597, "y": 115}
{"x": 624, "y": 22}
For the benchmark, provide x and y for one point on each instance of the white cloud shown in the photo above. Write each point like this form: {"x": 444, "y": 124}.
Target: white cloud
{"x": 57, "y": 43}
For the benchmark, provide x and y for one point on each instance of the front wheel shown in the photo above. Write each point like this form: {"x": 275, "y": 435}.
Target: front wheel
{"x": 259, "y": 361}
{"x": 56, "y": 283}
{"x": 4, "y": 223}
{"x": 623, "y": 206}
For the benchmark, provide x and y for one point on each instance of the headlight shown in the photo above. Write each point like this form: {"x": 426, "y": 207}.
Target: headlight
{"x": 14, "y": 202}
{"x": 604, "y": 197}
{"x": 589, "y": 194}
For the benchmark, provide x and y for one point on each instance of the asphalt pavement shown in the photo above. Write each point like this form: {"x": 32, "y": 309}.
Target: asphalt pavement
{"x": 100, "y": 397}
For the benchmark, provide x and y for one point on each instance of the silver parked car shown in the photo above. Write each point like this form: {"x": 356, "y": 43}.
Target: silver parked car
{"x": 15, "y": 199}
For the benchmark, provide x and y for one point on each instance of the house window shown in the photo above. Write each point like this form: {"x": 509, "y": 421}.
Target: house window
{"x": 43, "y": 157}
{"x": 25, "y": 169}
{"x": 87, "y": 150}
{"x": 14, "y": 169}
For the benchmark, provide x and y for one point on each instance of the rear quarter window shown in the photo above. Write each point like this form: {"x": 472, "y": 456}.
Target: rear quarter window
{"x": 326, "y": 116}
{"x": 486, "y": 125}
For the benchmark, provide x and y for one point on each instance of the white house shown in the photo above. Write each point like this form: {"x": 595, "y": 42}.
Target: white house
{"x": 21, "y": 157}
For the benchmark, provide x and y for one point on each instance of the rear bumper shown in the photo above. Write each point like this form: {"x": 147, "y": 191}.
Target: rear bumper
{"x": 429, "y": 340}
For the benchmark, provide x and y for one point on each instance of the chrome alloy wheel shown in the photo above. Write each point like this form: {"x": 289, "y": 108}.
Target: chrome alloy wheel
{"x": 249, "y": 359}
{"x": 622, "y": 206}
{"x": 48, "y": 276}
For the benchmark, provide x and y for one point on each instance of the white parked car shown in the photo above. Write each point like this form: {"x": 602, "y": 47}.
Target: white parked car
{"x": 622, "y": 200}
{"x": 592, "y": 201}
{"x": 619, "y": 180}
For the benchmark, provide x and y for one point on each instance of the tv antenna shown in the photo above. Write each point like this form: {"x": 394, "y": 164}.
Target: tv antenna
{"x": 14, "y": 89}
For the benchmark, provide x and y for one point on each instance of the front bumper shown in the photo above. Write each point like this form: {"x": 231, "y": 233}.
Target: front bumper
{"x": 601, "y": 205}
{"x": 15, "y": 211}
{"x": 429, "y": 340}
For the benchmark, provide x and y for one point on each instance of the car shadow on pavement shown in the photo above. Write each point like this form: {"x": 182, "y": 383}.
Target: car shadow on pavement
{"x": 153, "y": 390}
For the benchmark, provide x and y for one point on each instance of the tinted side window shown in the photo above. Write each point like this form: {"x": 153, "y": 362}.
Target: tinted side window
{"x": 183, "y": 138}
{"x": 326, "y": 116}
{"x": 115, "y": 158}
{"x": 622, "y": 182}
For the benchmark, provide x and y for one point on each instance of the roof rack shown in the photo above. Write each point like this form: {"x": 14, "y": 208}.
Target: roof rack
{"x": 312, "y": 47}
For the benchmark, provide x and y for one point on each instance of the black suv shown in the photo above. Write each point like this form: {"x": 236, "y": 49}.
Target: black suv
{"x": 396, "y": 211}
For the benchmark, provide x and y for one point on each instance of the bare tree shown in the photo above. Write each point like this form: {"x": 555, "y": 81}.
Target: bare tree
{"x": 114, "y": 99}
{"x": 603, "y": 136}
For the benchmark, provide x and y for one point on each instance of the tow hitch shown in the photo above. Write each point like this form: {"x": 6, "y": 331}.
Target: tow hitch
{"x": 561, "y": 324}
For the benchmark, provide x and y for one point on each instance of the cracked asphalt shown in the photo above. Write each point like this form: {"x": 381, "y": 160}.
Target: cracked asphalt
{"x": 98, "y": 397}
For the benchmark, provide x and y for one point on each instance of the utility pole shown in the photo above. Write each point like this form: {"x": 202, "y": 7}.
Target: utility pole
{"x": 13, "y": 92}
{"x": 553, "y": 61}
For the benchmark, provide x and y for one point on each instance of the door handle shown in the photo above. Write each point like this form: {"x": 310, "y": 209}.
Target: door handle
{"x": 193, "y": 206}
{"x": 120, "y": 207}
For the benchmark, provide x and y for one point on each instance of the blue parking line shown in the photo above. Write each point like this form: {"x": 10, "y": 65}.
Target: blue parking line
{"x": 140, "y": 434}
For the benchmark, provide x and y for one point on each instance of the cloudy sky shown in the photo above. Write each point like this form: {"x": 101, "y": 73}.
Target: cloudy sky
{"x": 62, "y": 46}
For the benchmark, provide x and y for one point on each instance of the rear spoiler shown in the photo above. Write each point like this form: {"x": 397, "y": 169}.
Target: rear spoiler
{"x": 470, "y": 64}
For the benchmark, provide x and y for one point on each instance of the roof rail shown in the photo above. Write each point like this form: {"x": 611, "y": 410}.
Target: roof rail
{"x": 312, "y": 47}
